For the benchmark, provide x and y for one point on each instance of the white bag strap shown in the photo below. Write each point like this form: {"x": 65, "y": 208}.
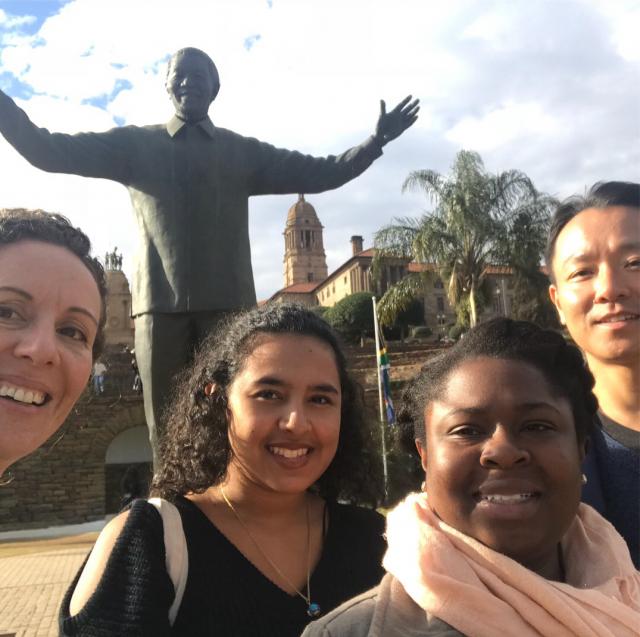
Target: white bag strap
{"x": 175, "y": 546}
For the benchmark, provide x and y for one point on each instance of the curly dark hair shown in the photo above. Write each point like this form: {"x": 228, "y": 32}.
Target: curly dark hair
{"x": 195, "y": 449}
{"x": 561, "y": 364}
{"x": 603, "y": 194}
{"x": 20, "y": 224}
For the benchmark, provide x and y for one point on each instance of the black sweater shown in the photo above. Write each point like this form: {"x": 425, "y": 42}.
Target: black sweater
{"x": 225, "y": 594}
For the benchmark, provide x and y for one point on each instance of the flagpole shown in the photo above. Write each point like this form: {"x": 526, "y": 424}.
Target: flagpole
{"x": 380, "y": 400}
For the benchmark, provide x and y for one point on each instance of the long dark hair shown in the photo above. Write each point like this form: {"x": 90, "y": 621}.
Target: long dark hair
{"x": 195, "y": 449}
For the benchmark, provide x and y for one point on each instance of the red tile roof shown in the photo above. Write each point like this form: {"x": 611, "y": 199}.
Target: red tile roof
{"x": 301, "y": 288}
{"x": 421, "y": 267}
{"x": 297, "y": 288}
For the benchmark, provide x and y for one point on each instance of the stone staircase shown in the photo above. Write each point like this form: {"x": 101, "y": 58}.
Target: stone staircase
{"x": 405, "y": 360}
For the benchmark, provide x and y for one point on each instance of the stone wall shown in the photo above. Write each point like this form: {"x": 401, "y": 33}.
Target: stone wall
{"x": 68, "y": 482}
{"x": 64, "y": 481}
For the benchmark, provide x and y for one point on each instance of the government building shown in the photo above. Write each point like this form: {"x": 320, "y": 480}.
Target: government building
{"x": 307, "y": 281}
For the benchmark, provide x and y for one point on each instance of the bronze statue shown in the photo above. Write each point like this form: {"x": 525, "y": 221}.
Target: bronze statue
{"x": 189, "y": 183}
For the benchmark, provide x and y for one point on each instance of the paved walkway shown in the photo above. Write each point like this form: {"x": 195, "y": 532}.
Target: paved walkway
{"x": 31, "y": 588}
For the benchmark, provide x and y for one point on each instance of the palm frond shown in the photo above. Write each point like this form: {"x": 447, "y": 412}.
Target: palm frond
{"x": 429, "y": 181}
{"x": 399, "y": 297}
{"x": 479, "y": 219}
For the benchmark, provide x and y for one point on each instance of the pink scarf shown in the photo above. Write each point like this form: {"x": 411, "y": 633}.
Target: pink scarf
{"x": 483, "y": 593}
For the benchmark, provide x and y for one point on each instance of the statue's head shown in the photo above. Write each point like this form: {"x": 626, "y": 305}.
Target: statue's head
{"x": 192, "y": 83}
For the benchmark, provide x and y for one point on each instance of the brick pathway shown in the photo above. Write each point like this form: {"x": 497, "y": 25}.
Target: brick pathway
{"x": 31, "y": 589}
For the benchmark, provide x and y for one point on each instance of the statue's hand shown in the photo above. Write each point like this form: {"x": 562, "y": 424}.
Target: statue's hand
{"x": 392, "y": 124}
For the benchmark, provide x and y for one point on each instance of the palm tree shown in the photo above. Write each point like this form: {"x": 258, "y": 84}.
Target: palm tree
{"x": 472, "y": 226}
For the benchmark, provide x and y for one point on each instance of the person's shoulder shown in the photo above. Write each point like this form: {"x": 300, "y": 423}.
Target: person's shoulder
{"x": 383, "y": 611}
{"x": 140, "y": 518}
{"x": 618, "y": 435}
{"x": 248, "y": 143}
{"x": 137, "y": 524}
{"x": 357, "y": 517}
{"x": 149, "y": 128}
{"x": 230, "y": 136}
{"x": 356, "y": 534}
{"x": 351, "y": 619}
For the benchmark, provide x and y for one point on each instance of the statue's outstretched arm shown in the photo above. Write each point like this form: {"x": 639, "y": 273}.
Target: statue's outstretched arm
{"x": 102, "y": 155}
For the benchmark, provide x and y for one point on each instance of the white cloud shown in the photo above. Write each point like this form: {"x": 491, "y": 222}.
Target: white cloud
{"x": 546, "y": 87}
{"x": 503, "y": 126}
{"x": 623, "y": 17}
{"x": 8, "y": 21}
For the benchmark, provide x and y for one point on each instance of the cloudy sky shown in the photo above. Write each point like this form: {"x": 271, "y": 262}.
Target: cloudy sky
{"x": 550, "y": 87}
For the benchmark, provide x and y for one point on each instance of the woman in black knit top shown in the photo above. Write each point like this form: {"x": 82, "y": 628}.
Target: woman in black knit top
{"x": 266, "y": 434}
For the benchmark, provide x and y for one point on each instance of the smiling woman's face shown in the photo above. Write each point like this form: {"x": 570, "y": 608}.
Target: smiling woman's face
{"x": 502, "y": 460}
{"x": 49, "y": 312}
{"x": 284, "y": 413}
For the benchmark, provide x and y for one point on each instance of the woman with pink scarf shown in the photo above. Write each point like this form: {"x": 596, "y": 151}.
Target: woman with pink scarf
{"x": 498, "y": 543}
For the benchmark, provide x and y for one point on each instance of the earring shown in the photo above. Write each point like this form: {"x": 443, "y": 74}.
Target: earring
{"x": 584, "y": 479}
{"x": 423, "y": 486}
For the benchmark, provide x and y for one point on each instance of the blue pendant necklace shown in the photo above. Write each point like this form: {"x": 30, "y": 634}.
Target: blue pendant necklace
{"x": 313, "y": 609}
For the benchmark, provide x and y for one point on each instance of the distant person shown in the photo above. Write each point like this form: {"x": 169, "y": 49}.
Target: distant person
{"x": 52, "y": 314}
{"x": 99, "y": 370}
{"x": 498, "y": 544}
{"x": 594, "y": 257}
{"x": 266, "y": 442}
{"x": 190, "y": 183}
{"x": 137, "y": 381}
{"x": 132, "y": 486}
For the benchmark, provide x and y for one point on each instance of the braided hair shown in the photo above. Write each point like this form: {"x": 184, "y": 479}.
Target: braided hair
{"x": 561, "y": 364}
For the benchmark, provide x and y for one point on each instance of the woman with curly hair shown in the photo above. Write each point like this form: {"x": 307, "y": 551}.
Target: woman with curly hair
{"x": 498, "y": 542}
{"x": 52, "y": 315}
{"x": 266, "y": 442}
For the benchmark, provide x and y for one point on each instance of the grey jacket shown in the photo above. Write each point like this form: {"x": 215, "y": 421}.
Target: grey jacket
{"x": 385, "y": 611}
{"x": 189, "y": 186}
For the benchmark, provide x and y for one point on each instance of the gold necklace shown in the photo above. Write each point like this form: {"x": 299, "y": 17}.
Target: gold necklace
{"x": 313, "y": 609}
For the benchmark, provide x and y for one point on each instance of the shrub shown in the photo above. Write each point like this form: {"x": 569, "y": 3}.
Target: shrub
{"x": 352, "y": 316}
{"x": 421, "y": 331}
{"x": 456, "y": 331}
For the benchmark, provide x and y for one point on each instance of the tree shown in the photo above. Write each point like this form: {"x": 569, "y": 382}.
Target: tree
{"x": 320, "y": 310}
{"x": 526, "y": 243}
{"x": 412, "y": 315}
{"x": 352, "y": 316}
{"x": 477, "y": 221}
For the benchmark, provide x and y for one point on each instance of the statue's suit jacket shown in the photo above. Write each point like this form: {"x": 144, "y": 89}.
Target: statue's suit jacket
{"x": 189, "y": 185}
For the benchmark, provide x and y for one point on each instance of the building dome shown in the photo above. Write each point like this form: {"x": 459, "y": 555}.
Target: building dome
{"x": 302, "y": 213}
{"x": 304, "y": 257}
